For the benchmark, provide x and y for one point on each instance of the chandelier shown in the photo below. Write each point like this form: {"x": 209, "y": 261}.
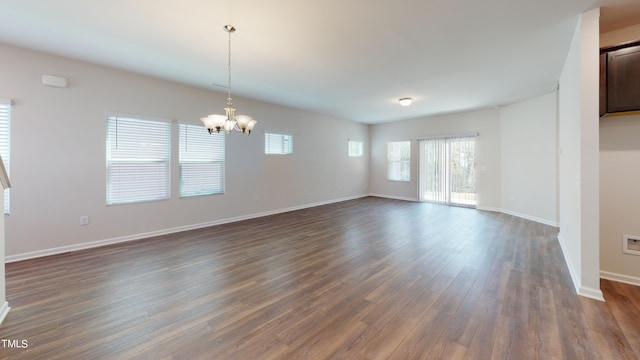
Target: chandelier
{"x": 230, "y": 121}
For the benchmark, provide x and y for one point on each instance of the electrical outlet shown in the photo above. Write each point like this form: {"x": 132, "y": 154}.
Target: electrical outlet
{"x": 84, "y": 220}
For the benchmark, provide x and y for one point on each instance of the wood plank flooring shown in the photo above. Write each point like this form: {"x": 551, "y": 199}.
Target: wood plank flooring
{"x": 364, "y": 279}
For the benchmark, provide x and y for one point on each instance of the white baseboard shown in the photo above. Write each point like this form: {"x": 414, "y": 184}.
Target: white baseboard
{"x": 631, "y": 280}
{"x": 567, "y": 260}
{"x": 487, "y": 208}
{"x": 121, "y": 239}
{"x": 4, "y": 310}
{"x": 484, "y": 208}
{"x": 394, "y": 197}
{"x": 595, "y": 294}
{"x": 588, "y": 292}
{"x": 520, "y": 215}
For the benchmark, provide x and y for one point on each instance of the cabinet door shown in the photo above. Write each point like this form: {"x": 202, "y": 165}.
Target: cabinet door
{"x": 623, "y": 79}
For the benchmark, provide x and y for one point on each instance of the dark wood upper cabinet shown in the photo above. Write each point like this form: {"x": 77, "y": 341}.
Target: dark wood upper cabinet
{"x": 620, "y": 79}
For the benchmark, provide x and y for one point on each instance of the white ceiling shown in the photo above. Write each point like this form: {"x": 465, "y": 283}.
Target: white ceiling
{"x": 349, "y": 59}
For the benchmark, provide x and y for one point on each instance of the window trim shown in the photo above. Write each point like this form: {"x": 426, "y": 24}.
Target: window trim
{"x": 268, "y": 150}
{"x": 400, "y": 161}
{"x": 360, "y": 151}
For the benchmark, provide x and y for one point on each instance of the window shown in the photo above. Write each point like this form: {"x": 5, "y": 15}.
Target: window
{"x": 447, "y": 170}
{"x": 355, "y": 148}
{"x": 201, "y": 161}
{"x": 278, "y": 144}
{"x": 138, "y": 160}
{"x": 398, "y": 160}
{"x": 5, "y": 142}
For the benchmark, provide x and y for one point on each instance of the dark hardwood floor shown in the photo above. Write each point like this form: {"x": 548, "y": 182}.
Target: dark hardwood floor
{"x": 364, "y": 279}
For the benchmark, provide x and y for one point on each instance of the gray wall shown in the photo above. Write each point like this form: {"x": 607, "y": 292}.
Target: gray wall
{"x": 484, "y": 122}
{"x": 516, "y": 156}
{"x": 529, "y": 159}
{"x": 58, "y": 156}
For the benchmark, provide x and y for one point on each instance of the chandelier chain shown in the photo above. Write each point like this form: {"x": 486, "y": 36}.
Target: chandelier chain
{"x": 229, "y": 70}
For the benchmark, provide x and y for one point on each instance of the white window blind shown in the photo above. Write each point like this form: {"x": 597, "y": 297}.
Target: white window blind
{"x": 138, "y": 160}
{"x": 201, "y": 161}
{"x": 399, "y": 160}
{"x": 447, "y": 170}
{"x": 278, "y": 144}
{"x": 5, "y": 144}
{"x": 355, "y": 148}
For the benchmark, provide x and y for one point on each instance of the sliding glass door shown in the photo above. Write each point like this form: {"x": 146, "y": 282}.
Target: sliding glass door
{"x": 447, "y": 170}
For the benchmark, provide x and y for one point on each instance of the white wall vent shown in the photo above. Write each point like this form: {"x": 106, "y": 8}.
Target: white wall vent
{"x": 55, "y": 81}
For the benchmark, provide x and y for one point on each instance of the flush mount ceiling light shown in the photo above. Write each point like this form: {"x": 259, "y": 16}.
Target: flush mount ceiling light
{"x": 230, "y": 121}
{"x": 405, "y": 101}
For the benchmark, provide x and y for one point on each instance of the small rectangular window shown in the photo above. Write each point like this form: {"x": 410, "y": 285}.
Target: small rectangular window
{"x": 138, "y": 160}
{"x": 278, "y": 144}
{"x": 5, "y": 143}
{"x": 399, "y": 160}
{"x": 355, "y": 148}
{"x": 201, "y": 161}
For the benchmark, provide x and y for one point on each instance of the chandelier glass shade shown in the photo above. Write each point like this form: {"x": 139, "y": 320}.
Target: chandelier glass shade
{"x": 229, "y": 121}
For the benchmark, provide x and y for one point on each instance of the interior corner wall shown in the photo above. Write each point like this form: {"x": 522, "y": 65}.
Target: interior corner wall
{"x": 58, "y": 167}
{"x": 619, "y": 196}
{"x": 485, "y": 122}
{"x": 529, "y": 159}
{"x": 579, "y": 159}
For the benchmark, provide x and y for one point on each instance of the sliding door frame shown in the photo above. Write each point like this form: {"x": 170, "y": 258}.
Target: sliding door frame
{"x": 442, "y": 151}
